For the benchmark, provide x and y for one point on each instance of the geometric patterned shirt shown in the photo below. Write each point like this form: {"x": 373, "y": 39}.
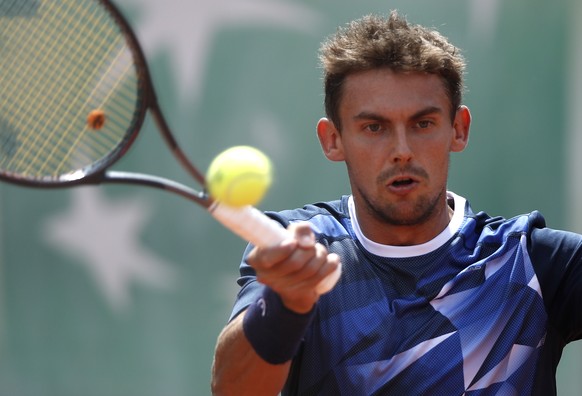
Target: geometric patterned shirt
{"x": 485, "y": 308}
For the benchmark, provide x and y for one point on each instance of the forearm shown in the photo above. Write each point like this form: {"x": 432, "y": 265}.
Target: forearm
{"x": 238, "y": 370}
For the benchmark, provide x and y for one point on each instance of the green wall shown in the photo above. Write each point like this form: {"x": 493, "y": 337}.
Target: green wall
{"x": 116, "y": 291}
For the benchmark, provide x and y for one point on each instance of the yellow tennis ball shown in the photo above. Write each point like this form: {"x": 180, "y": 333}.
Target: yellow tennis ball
{"x": 239, "y": 176}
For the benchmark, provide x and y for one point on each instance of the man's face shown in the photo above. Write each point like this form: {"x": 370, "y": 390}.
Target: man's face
{"x": 396, "y": 138}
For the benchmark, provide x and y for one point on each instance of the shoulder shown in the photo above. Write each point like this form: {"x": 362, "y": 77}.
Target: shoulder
{"x": 544, "y": 245}
{"x": 555, "y": 251}
{"x": 532, "y": 226}
{"x": 327, "y": 219}
{"x": 554, "y": 255}
{"x": 337, "y": 209}
{"x": 483, "y": 229}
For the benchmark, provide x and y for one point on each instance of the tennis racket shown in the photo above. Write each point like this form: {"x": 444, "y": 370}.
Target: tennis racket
{"x": 74, "y": 92}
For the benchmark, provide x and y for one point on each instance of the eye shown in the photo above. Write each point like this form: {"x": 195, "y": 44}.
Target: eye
{"x": 424, "y": 124}
{"x": 375, "y": 128}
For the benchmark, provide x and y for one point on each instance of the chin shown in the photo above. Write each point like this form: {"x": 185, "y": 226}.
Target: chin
{"x": 409, "y": 213}
{"x": 398, "y": 219}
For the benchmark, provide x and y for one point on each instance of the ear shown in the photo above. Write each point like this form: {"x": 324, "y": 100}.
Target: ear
{"x": 461, "y": 126}
{"x": 330, "y": 140}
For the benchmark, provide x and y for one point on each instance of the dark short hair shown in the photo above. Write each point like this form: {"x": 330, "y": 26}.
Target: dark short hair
{"x": 374, "y": 42}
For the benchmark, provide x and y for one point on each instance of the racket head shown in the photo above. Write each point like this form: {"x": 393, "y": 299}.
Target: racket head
{"x": 74, "y": 90}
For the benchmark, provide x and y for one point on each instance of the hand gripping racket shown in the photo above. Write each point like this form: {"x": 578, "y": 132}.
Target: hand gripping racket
{"x": 74, "y": 91}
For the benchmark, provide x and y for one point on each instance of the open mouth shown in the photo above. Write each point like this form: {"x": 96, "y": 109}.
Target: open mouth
{"x": 403, "y": 185}
{"x": 402, "y": 182}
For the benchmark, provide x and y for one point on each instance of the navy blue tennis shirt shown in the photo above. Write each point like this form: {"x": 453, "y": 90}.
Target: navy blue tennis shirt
{"x": 484, "y": 308}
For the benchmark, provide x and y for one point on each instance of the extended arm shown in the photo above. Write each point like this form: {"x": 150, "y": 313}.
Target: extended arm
{"x": 291, "y": 273}
{"x": 238, "y": 370}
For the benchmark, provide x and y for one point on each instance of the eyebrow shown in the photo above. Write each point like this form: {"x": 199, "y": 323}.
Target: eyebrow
{"x": 427, "y": 111}
{"x": 366, "y": 115}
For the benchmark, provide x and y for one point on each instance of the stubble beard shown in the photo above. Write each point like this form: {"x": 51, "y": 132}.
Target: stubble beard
{"x": 424, "y": 208}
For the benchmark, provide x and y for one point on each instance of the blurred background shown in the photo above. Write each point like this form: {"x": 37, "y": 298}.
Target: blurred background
{"x": 115, "y": 291}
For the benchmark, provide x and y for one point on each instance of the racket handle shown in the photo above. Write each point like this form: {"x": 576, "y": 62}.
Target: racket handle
{"x": 255, "y": 227}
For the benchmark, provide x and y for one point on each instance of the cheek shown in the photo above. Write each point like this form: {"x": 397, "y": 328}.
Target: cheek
{"x": 436, "y": 161}
{"x": 363, "y": 167}
{"x": 440, "y": 168}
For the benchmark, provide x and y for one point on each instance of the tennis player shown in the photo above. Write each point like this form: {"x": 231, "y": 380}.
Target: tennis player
{"x": 435, "y": 298}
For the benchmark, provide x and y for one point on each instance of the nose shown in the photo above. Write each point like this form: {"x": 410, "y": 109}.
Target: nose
{"x": 401, "y": 152}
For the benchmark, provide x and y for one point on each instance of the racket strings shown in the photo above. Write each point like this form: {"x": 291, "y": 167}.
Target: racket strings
{"x": 83, "y": 61}
{"x": 36, "y": 83}
{"x": 43, "y": 86}
{"x": 117, "y": 115}
{"x": 76, "y": 61}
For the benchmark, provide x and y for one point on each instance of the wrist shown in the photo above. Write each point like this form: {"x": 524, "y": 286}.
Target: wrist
{"x": 275, "y": 331}
{"x": 300, "y": 305}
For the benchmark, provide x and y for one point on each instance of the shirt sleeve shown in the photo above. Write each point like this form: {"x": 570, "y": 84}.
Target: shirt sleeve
{"x": 557, "y": 259}
{"x": 251, "y": 289}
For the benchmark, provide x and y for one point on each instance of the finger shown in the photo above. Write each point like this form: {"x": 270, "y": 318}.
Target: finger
{"x": 333, "y": 261}
{"x": 303, "y": 234}
{"x": 267, "y": 257}
{"x": 289, "y": 258}
{"x": 308, "y": 269}
{"x": 290, "y": 269}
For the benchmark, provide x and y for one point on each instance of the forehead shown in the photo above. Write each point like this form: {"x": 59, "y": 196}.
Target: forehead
{"x": 387, "y": 92}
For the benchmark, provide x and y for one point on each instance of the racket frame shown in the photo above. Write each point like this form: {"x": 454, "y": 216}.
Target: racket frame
{"x": 247, "y": 222}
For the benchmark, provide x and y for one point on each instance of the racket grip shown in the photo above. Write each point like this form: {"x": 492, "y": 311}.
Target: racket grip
{"x": 255, "y": 227}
